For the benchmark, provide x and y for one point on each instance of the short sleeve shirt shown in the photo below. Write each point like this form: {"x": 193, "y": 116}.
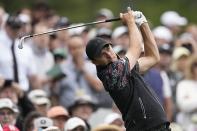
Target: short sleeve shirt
{"x": 115, "y": 77}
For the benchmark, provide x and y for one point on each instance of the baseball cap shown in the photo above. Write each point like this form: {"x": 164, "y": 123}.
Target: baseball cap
{"x": 62, "y": 22}
{"x": 172, "y": 18}
{"x": 104, "y": 32}
{"x": 163, "y": 32}
{"x": 7, "y": 103}
{"x": 73, "y": 123}
{"x": 119, "y": 31}
{"x": 43, "y": 122}
{"x": 38, "y": 97}
{"x": 24, "y": 18}
{"x": 83, "y": 100}
{"x": 94, "y": 47}
{"x": 57, "y": 111}
{"x": 179, "y": 52}
{"x": 14, "y": 22}
{"x": 106, "y": 13}
{"x": 165, "y": 48}
{"x": 10, "y": 128}
{"x": 77, "y": 31}
{"x": 112, "y": 117}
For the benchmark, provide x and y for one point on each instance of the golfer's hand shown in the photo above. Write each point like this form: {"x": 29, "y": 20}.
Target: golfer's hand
{"x": 128, "y": 18}
{"x": 139, "y": 18}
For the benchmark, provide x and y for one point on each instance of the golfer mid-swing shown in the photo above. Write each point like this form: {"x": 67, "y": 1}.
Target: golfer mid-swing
{"x": 121, "y": 77}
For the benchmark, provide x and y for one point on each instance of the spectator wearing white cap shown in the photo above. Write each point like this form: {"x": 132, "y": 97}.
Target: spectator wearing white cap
{"x": 120, "y": 36}
{"x": 162, "y": 35}
{"x": 40, "y": 100}
{"x": 104, "y": 33}
{"x": 27, "y": 27}
{"x": 12, "y": 90}
{"x": 8, "y": 112}
{"x": 41, "y": 123}
{"x": 173, "y": 21}
{"x": 75, "y": 124}
{"x": 12, "y": 66}
{"x": 104, "y": 14}
{"x": 83, "y": 108}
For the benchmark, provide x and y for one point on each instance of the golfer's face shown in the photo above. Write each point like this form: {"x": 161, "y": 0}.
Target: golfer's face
{"x": 107, "y": 56}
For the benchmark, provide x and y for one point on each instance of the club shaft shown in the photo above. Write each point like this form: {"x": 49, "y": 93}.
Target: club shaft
{"x": 71, "y": 27}
{"x": 20, "y": 46}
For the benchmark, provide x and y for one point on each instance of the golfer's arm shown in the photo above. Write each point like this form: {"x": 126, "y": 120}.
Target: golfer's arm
{"x": 134, "y": 49}
{"x": 151, "y": 56}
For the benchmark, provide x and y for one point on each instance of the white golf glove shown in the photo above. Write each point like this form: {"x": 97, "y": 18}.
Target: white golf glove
{"x": 139, "y": 18}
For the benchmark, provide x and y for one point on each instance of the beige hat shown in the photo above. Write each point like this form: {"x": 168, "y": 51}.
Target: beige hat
{"x": 39, "y": 97}
{"x": 179, "y": 52}
{"x": 7, "y": 103}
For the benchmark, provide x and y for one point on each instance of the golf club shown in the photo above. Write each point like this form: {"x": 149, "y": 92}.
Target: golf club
{"x": 22, "y": 39}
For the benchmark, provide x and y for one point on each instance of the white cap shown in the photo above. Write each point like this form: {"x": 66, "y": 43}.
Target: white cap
{"x": 24, "y": 18}
{"x": 38, "y": 97}
{"x": 73, "y": 123}
{"x": 112, "y": 117}
{"x": 179, "y": 52}
{"x": 7, "y": 103}
{"x": 172, "y": 18}
{"x": 119, "y": 31}
{"x": 76, "y": 31}
{"x": 163, "y": 32}
{"x": 104, "y": 31}
{"x": 43, "y": 122}
{"x": 105, "y": 12}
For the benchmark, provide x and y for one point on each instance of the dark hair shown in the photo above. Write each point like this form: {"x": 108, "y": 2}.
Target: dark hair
{"x": 28, "y": 122}
{"x": 7, "y": 83}
{"x": 14, "y": 22}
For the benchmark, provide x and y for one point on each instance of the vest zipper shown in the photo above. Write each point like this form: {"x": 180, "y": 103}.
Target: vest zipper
{"x": 142, "y": 107}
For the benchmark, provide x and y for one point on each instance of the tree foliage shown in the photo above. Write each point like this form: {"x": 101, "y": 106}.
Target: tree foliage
{"x": 85, "y": 10}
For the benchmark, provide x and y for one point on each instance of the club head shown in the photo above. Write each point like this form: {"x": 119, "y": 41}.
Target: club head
{"x": 20, "y": 46}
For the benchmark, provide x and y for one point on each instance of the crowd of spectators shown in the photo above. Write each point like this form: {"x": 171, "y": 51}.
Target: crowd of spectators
{"x": 50, "y": 84}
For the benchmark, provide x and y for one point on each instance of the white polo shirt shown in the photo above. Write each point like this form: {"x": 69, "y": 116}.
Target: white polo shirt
{"x": 25, "y": 61}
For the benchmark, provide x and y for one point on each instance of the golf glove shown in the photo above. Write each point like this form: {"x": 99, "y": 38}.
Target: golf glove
{"x": 139, "y": 18}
